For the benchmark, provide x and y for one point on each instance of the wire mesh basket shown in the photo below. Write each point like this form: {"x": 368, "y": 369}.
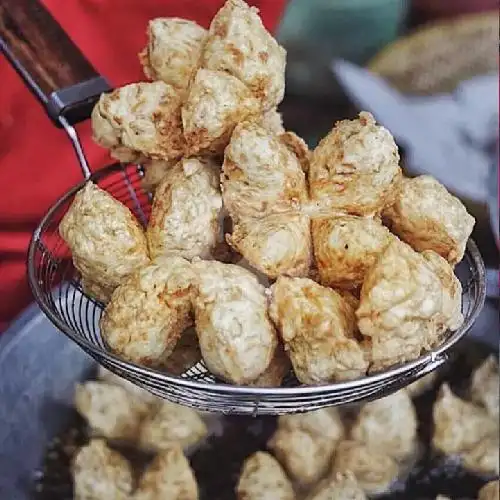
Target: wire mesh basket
{"x": 56, "y": 286}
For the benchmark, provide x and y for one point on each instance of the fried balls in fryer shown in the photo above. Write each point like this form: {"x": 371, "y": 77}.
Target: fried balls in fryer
{"x": 237, "y": 339}
{"x": 147, "y": 314}
{"x": 172, "y": 53}
{"x": 110, "y": 410}
{"x": 317, "y": 326}
{"x": 171, "y": 424}
{"x": 99, "y": 472}
{"x": 275, "y": 245}
{"x": 459, "y": 425}
{"x": 168, "y": 476}
{"x": 346, "y": 247}
{"x": 401, "y": 306}
{"x": 355, "y": 168}
{"x": 428, "y": 217}
{"x": 239, "y": 44}
{"x": 262, "y": 478}
{"x": 260, "y": 176}
{"x": 338, "y": 487}
{"x": 106, "y": 241}
{"x": 374, "y": 470}
{"x": 215, "y": 104}
{"x": 485, "y": 385}
{"x": 388, "y": 424}
{"x": 185, "y": 211}
{"x": 138, "y": 121}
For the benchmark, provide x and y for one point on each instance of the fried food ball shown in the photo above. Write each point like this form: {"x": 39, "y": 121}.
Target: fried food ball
{"x": 106, "y": 241}
{"x": 154, "y": 171}
{"x": 272, "y": 121}
{"x": 452, "y": 317}
{"x": 304, "y": 456}
{"x": 325, "y": 423}
{"x": 428, "y": 217}
{"x": 355, "y": 168}
{"x": 275, "y": 245}
{"x": 262, "y": 478}
{"x": 140, "y": 120}
{"x": 458, "y": 424}
{"x": 147, "y": 314}
{"x": 338, "y": 487}
{"x": 237, "y": 339}
{"x": 215, "y": 104}
{"x": 485, "y": 385}
{"x": 239, "y": 44}
{"x": 169, "y": 425}
{"x": 185, "y": 354}
{"x": 107, "y": 376}
{"x": 185, "y": 211}
{"x": 110, "y": 410}
{"x": 375, "y": 471}
{"x": 317, "y": 326}
{"x": 490, "y": 491}
{"x": 260, "y": 176}
{"x": 172, "y": 53}
{"x": 168, "y": 476}
{"x": 346, "y": 247}
{"x": 423, "y": 384}
{"x": 483, "y": 458}
{"x": 99, "y": 472}
{"x": 298, "y": 147}
{"x": 276, "y": 371}
{"x": 401, "y": 306}
{"x": 388, "y": 424}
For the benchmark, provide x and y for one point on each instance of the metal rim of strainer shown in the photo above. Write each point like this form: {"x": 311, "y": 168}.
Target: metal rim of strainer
{"x": 256, "y": 400}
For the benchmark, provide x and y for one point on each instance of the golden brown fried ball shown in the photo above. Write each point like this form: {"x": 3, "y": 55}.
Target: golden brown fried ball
{"x": 317, "y": 326}
{"x": 275, "y": 245}
{"x": 260, "y": 176}
{"x": 490, "y": 491}
{"x": 140, "y": 120}
{"x": 185, "y": 211}
{"x": 169, "y": 425}
{"x": 485, "y": 384}
{"x": 374, "y": 470}
{"x": 338, "y": 487}
{"x": 298, "y": 147}
{"x": 239, "y": 44}
{"x": 173, "y": 51}
{"x": 147, "y": 314}
{"x": 458, "y": 424}
{"x": 154, "y": 171}
{"x": 99, "y": 472}
{"x": 401, "y": 306}
{"x": 428, "y": 217}
{"x": 237, "y": 339}
{"x": 346, "y": 247}
{"x": 388, "y": 424}
{"x": 262, "y": 478}
{"x": 276, "y": 371}
{"x": 168, "y": 476}
{"x": 106, "y": 241}
{"x": 110, "y": 410}
{"x": 215, "y": 104}
{"x": 355, "y": 168}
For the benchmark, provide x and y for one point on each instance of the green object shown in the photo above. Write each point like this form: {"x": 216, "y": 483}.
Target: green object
{"x": 317, "y": 31}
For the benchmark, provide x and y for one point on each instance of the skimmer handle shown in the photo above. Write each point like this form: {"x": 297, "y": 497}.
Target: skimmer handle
{"x": 47, "y": 60}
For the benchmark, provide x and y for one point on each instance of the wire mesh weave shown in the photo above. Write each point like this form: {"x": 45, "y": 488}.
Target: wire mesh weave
{"x": 56, "y": 286}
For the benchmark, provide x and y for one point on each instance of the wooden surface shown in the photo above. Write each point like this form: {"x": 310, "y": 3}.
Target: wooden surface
{"x": 41, "y": 48}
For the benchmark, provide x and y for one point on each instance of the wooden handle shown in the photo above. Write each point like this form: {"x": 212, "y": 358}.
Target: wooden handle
{"x": 48, "y": 61}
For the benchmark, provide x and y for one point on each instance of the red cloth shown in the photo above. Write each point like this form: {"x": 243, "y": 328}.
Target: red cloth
{"x": 37, "y": 163}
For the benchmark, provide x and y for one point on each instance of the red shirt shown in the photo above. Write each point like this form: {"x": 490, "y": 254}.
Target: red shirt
{"x": 37, "y": 163}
